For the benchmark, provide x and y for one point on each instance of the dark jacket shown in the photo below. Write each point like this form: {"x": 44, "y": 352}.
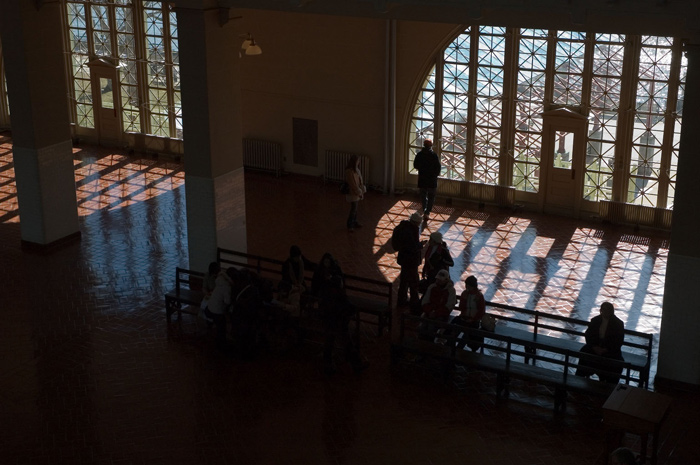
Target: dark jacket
{"x": 428, "y": 165}
{"x": 439, "y": 260}
{"x": 614, "y": 335}
{"x": 410, "y": 253}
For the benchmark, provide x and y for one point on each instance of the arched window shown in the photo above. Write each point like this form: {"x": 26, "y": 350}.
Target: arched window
{"x": 482, "y": 104}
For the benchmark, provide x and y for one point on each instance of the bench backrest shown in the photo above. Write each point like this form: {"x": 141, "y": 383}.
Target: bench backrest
{"x": 508, "y": 347}
{"x": 188, "y": 279}
{"x": 272, "y": 268}
{"x": 556, "y": 325}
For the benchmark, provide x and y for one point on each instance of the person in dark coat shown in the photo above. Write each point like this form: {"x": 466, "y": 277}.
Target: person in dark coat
{"x": 604, "y": 337}
{"x": 427, "y": 163}
{"x": 409, "y": 258}
{"x": 437, "y": 257}
{"x": 329, "y": 287}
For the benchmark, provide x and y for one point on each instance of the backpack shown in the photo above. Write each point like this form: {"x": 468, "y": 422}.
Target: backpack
{"x": 401, "y": 237}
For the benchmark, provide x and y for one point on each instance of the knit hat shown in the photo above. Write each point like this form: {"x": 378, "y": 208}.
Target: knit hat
{"x": 471, "y": 281}
{"x": 436, "y": 238}
{"x": 416, "y": 218}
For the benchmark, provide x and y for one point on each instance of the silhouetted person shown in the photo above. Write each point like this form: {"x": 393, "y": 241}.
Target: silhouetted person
{"x": 427, "y": 163}
{"x": 604, "y": 337}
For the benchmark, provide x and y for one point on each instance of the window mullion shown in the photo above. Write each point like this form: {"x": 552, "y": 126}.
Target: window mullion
{"x": 508, "y": 107}
{"x": 141, "y": 64}
{"x": 669, "y": 124}
{"x": 471, "y": 106}
{"x": 439, "y": 95}
{"x": 625, "y": 130}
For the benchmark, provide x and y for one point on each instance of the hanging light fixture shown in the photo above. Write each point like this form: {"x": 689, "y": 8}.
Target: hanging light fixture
{"x": 253, "y": 49}
{"x": 250, "y": 47}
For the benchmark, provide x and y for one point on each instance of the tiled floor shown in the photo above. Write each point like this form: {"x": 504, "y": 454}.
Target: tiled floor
{"x": 91, "y": 372}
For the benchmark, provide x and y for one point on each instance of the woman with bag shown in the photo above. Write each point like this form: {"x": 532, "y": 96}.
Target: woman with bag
{"x": 356, "y": 190}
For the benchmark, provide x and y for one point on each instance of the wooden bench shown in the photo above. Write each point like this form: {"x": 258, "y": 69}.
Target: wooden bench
{"x": 370, "y": 296}
{"x": 187, "y": 295}
{"x": 497, "y": 356}
{"x": 564, "y": 333}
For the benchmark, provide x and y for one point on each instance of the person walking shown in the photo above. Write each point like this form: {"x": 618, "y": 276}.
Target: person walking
{"x": 427, "y": 163}
{"x": 356, "y": 190}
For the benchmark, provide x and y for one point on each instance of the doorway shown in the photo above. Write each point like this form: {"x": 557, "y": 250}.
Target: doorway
{"x": 106, "y": 102}
{"x": 563, "y": 151}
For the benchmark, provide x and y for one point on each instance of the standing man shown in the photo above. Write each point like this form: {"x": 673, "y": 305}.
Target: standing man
{"x": 406, "y": 240}
{"x": 427, "y": 163}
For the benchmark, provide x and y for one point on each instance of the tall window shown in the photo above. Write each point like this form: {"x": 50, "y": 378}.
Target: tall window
{"x": 455, "y": 98}
{"x": 485, "y": 132}
{"x": 606, "y": 86}
{"x": 79, "y": 57}
{"x": 488, "y": 103}
{"x": 141, "y": 37}
{"x": 650, "y": 107}
{"x": 529, "y": 105}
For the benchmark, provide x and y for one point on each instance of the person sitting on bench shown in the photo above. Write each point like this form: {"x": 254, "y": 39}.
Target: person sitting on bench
{"x": 604, "y": 338}
{"x": 472, "y": 307}
{"x": 438, "y": 302}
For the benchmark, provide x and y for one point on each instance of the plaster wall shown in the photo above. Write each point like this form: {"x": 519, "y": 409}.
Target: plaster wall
{"x": 332, "y": 70}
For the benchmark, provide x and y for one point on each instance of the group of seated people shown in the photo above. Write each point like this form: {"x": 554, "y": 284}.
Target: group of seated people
{"x": 237, "y": 302}
{"x": 604, "y": 335}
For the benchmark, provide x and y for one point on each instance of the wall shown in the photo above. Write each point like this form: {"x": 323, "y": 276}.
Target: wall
{"x": 331, "y": 69}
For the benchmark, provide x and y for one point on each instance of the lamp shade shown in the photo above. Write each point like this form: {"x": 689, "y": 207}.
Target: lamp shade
{"x": 253, "y": 49}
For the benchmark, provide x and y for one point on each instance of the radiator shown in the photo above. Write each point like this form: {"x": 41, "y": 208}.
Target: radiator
{"x": 627, "y": 213}
{"x": 478, "y": 192}
{"x": 262, "y": 155}
{"x": 336, "y": 161}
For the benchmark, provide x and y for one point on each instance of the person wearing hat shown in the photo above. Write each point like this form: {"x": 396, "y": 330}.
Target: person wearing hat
{"x": 427, "y": 163}
{"x": 472, "y": 307}
{"x": 436, "y": 258}
{"x": 406, "y": 240}
{"x": 437, "y": 304}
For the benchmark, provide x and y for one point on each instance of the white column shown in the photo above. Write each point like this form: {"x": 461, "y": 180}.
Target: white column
{"x": 42, "y": 149}
{"x": 679, "y": 345}
{"x": 211, "y": 101}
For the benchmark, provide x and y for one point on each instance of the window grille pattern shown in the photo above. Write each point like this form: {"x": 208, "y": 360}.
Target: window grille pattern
{"x": 464, "y": 99}
{"x": 488, "y": 103}
{"x": 79, "y": 58}
{"x": 102, "y": 39}
{"x": 530, "y": 95}
{"x": 606, "y": 87}
{"x": 142, "y": 37}
{"x": 677, "y": 124}
{"x": 423, "y": 121}
{"x": 651, "y": 104}
{"x": 568, "y": 68}
{"x": 128, "y": 67}
{"x": 455, "y": 102}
